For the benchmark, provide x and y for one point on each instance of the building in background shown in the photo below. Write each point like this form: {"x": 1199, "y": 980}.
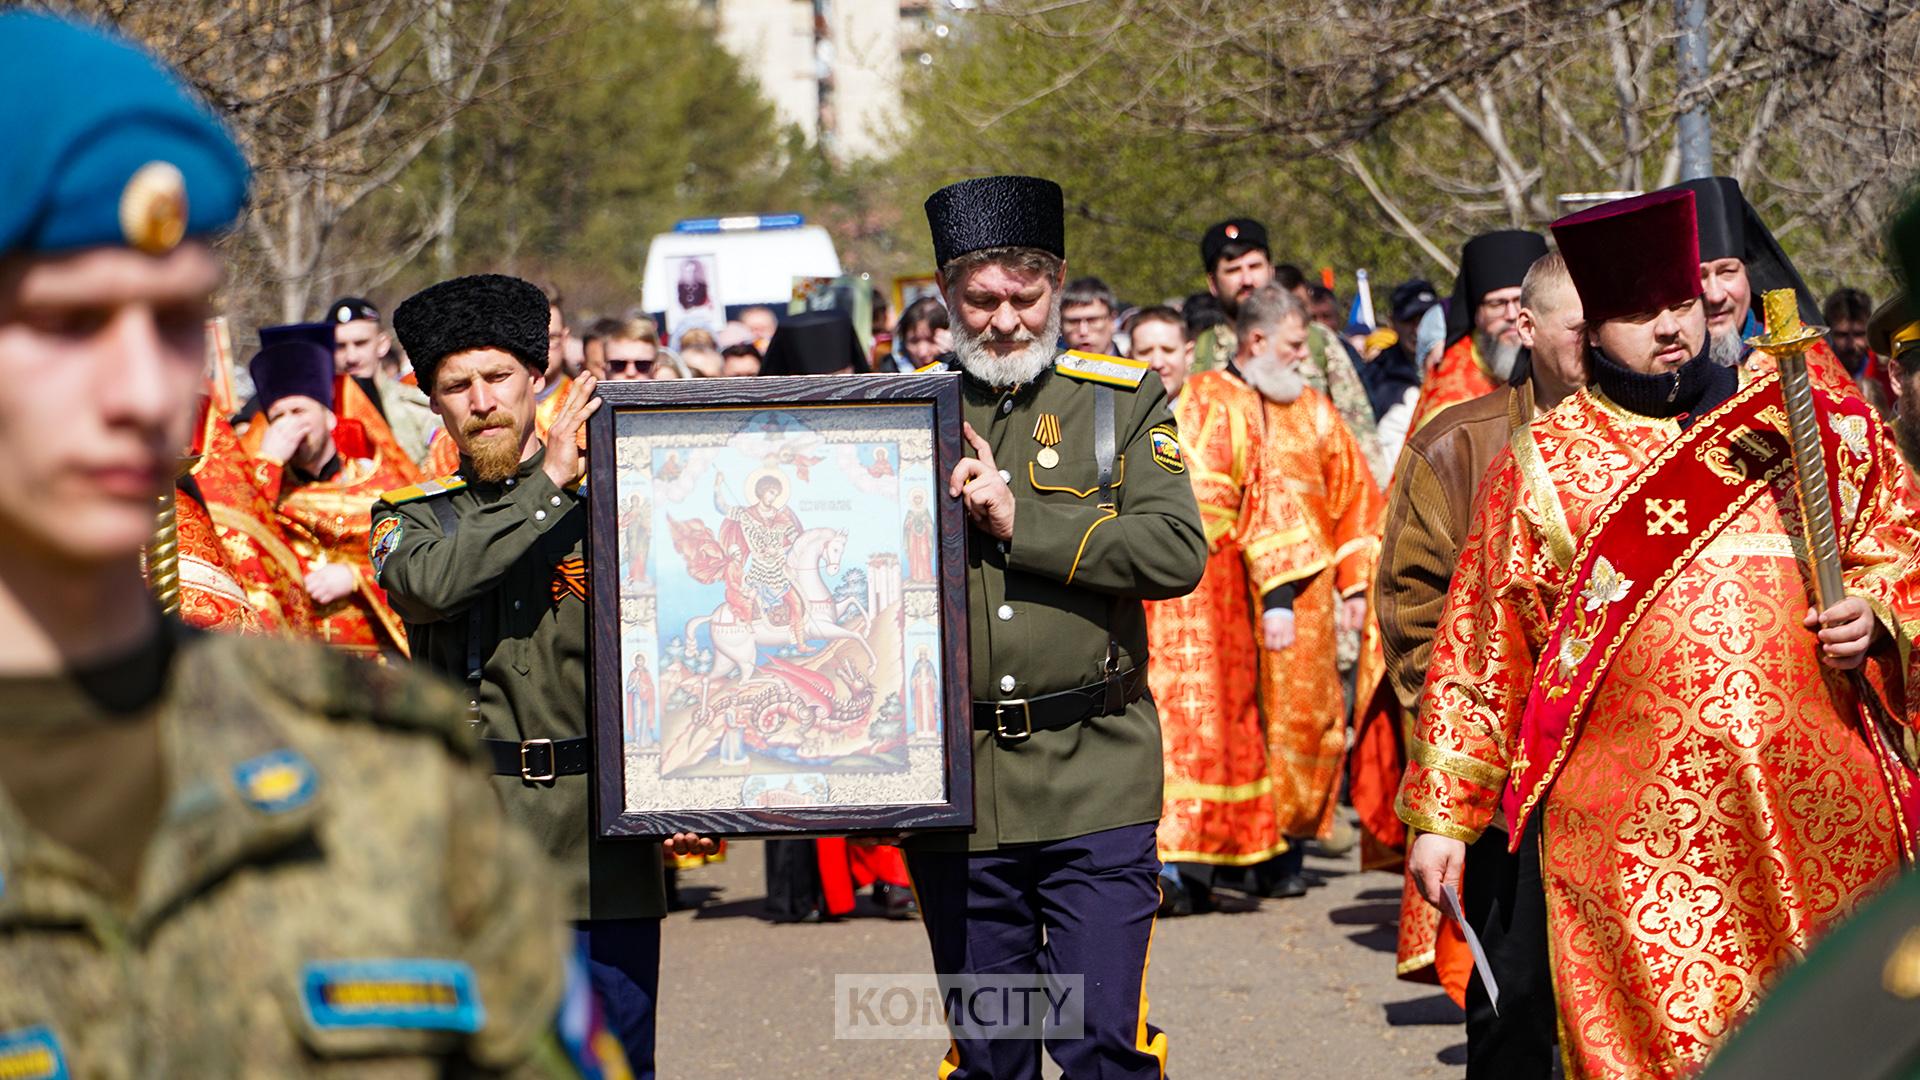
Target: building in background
{"x": 833, "y": 67}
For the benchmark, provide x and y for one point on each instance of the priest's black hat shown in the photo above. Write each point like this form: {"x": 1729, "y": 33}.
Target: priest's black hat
{"x": 484, "y": 311}
{"x": 994, "y": 212}
{"x": 1490, "y": 261}
{"x": 815, "y": 343}
{"x": 290, "y": 368}
{"x": 1730, "y": 228}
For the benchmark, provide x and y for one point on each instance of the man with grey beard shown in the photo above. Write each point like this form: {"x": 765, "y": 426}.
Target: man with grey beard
{"x": 1483, "y": 339}
{"x": 1079, "y": 509}
{"x": 1305, "y": 450}
{"x": 1740, "y": 259}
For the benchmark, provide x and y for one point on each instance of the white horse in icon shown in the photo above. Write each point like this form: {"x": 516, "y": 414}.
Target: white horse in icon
{"x": 737, "y": 642}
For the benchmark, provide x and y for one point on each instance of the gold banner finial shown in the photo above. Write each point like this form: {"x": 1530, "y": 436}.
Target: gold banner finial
{"x": 1785, "y": 332}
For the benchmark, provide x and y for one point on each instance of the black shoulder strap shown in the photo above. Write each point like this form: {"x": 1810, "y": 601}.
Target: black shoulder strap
{"x": 1104, "y": 449}
{"x": 1104, "y": 452}
{"x": 476, "y": 612}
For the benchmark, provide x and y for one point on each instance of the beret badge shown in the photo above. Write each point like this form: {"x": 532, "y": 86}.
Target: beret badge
{"x": 153, "y": 208}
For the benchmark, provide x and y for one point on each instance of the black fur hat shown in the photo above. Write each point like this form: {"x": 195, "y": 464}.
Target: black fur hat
{"x": 484, "y": 311}
{"x": 997, "y": 211}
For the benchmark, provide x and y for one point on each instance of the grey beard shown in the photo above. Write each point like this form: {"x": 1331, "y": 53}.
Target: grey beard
{"x": 1498, "y": 354}
{"x": 1280, "y": 385}
{"x": 1011, "y": 370}
{"x": 1726, "y": 349}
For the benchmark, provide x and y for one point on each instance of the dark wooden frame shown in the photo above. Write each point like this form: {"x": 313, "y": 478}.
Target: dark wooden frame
{"x": 942, "y": 392}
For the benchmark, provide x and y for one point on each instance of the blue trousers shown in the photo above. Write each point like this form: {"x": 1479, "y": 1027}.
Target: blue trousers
{"x": 623, "y": 963}
{"x": 1083, "y": 906}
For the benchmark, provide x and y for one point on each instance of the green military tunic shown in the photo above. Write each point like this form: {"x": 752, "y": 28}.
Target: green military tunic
{"x": 328, "y": 887}
{"x": 518, "y": 556}
{"x": 1042, "y": 605}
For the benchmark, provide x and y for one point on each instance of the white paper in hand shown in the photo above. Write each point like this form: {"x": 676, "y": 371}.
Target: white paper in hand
{"x": 1473, "y": 944}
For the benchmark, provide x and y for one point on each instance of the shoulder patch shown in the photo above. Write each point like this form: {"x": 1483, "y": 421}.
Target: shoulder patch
{"x": 1109, "y": 370}
{"x": 1166, "y": 448}
{"x": 433, "y": 995}
{"x": 425, "y": 489}
{"x": 275, "y": 782}
{"x": 381, "y": 542}
{"x": 32, "y": 1054}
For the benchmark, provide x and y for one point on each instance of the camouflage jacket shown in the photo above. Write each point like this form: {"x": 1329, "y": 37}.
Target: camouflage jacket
{"x": 331, "y": 890}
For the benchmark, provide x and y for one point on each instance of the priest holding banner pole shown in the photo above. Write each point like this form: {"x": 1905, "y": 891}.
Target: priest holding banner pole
{"x": 1711, "y": 761}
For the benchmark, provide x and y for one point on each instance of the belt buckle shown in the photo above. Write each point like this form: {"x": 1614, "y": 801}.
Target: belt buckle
{"x": 1000, "y": 711}
{"x": 526, "y": 773}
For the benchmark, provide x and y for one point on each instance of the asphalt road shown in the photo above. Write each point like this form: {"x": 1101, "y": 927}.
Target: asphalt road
{"x": 1280, "y": 988}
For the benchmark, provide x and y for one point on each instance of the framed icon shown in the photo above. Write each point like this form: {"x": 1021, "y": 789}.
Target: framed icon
{"x": 779, "y": 611}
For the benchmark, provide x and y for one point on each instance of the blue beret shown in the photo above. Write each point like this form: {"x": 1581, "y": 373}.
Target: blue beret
{"x": 99, "y": 144}
{"x": 289, "y": 368}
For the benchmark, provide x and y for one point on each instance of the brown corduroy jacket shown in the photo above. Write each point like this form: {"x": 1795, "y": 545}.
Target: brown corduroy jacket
{"x": 1428, "y": 514}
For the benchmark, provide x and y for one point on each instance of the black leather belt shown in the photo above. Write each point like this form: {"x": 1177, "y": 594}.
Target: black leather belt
{"x": 1014, "y": 719}
{"x": 539, "y": 759}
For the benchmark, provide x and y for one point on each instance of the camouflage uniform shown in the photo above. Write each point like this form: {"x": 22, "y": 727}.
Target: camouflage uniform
{"x": 330, "y": 889}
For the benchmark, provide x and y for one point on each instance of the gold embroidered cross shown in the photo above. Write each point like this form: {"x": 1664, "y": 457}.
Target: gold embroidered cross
{"x": 1668, "y": 518}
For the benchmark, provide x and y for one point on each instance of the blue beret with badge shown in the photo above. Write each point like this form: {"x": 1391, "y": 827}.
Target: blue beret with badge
{"x": 101, "y": 145}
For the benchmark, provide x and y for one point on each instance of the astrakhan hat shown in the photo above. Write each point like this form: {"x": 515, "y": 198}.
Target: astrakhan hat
{"x": 996, "y": 211}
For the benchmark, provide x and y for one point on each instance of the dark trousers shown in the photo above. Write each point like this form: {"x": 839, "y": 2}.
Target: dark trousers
{"x": 623, "y": 963}
{"x": 1094, "y": 898}
{"x": 1507, "y": 906}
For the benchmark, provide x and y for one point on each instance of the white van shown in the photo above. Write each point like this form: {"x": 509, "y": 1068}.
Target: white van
{"x": 754, "y": 260}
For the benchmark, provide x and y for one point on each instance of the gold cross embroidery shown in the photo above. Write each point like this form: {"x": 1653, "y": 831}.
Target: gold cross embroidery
{"x": 1668, "y": 518}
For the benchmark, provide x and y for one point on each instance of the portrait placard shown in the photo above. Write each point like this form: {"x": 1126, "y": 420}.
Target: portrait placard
{"x": 779, "y": 606}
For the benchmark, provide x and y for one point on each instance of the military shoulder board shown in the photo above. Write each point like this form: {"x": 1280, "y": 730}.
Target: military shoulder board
{"x": 933, "y": 368}
{"x": 425, "y": 489}
{"x": 1107, "y": 370}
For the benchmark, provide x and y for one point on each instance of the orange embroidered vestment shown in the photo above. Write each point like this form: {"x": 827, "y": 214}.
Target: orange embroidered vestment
{"x": 248, "y": 528}
{"x": 1460, "y": 376}
{"x": 1718, "y": 805}
{"x": 1219, "y": 788}
{"x": 329, "y": 521}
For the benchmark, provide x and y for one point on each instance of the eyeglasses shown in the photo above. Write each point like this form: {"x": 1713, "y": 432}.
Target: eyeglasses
{"x": 639, "y": 367}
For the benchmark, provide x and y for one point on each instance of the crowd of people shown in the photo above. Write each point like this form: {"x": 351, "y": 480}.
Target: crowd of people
{"x": 1531, "y": 575}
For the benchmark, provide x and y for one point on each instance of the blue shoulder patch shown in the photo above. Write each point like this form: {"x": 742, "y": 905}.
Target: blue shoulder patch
{"x": 275, "y": 782}
{"x": 32, "y": 1054}
{"x": 437, "y": 995}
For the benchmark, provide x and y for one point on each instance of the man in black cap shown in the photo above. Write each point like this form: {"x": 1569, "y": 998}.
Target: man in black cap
{"x": 360, "y": 349}
{"x": 1237, "y": 262}
{"x": 1080, "y": 508}
{"x": 487, "y": 567}
{"x": 1483, "y": 336}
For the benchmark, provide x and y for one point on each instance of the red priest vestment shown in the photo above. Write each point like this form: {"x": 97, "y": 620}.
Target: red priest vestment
{"x": 211, "y": 597}
{"x": 1219, "y": 801}
{"x": 244, "y": 519}
{"x": 1306, "y": 448}
{"x": 1711, "y": 800}
{"x": 329, "y": 521}
{"x": 1460, "y": 376}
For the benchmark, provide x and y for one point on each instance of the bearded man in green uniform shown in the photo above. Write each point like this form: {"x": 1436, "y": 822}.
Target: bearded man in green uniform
{"x": 219, "y": 856}
{"x": 487, "y": 569}
{"x": 1079, "y": 509}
